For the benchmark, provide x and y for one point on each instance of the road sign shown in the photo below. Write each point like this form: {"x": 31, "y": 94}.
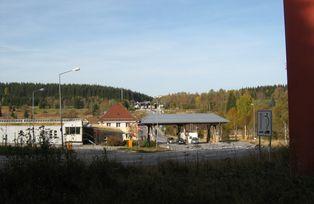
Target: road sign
{"x": 264, "y": 121}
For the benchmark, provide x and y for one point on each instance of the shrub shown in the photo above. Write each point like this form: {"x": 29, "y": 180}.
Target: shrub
{"x": 146, "y": 143}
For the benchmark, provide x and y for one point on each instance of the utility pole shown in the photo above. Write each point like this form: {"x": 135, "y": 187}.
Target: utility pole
{"x": 33, "y": 111}
{"x": 253, "y": 105}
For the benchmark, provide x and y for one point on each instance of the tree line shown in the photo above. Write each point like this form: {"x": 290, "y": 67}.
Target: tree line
{"x": 238, "y": 106}
{"x": 76, "y": 95}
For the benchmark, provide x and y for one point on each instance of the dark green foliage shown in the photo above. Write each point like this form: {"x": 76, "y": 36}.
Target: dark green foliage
{"x": 13, "y": 115}
{"x": 26, "y": 114}
{"x": 21, "y": 94}
{"x": 61, "y": 178}
{"x": 95, "y": 109}
{"x": 126, "y": 104}
{"x": 78, "y": 103}
{"x": 147, "y": 143}
{"x": 232, "y": 101}
{"x": 42, "y": 103}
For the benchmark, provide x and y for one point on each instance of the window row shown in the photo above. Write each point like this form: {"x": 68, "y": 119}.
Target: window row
{"x": 72, "y": 130}
{"x": 118, "y": 124}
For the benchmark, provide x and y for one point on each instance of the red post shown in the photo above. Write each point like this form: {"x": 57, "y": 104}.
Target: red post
{"x": 299, "y": 20}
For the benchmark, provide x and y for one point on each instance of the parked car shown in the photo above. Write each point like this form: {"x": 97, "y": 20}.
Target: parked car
{"x": 181, "y": 141}
{"x": 170, "y": 140}
{"x": 194, "y": 140}
{"x": 191, "y": 136}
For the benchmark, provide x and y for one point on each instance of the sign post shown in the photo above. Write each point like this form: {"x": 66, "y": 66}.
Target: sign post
{"x": 265, "y": 127}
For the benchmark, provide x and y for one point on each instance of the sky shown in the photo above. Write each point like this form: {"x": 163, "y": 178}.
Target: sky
{"x": 152, "y": 46}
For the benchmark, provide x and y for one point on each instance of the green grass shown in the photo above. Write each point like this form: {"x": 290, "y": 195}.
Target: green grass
{"x": 49, "y": 178}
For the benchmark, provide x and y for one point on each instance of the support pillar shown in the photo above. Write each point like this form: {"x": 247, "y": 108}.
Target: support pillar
{"x": 208, "y": 134}
{"x": 179, "y": 131}
{"x": 299, "y": 20}
{"x": 148, "y": 133}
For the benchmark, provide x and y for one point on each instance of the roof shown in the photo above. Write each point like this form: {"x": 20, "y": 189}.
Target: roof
{"x": 117, "y": 112}
{"x": 195, "y": 118}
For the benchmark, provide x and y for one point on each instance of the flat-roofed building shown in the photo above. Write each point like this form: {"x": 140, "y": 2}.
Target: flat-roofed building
{"x": 26, "y": 131}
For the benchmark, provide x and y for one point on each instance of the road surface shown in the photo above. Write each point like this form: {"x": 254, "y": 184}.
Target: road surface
{"x": 181, "y": 153}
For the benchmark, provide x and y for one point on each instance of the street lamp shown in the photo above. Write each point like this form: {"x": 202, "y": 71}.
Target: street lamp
{"x": 253, "y": 105}
{"x": 60, "y": 99}
{"x": 33, "y": 109}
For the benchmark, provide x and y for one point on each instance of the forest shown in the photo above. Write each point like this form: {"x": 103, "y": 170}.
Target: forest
{"x": 238, "y": 106}
{"x": 76, "y": 95}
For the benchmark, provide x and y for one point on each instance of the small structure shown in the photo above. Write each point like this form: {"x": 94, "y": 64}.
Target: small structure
{"x": 187, "y": 123}
{"x": 118, "y": 117}
{"x": 29, "y": 131}
{"x": 143, "y": 105}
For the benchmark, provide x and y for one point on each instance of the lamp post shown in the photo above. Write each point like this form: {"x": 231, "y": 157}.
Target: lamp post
{"x": 33, "y": 109}
{"x": 60, "y": 99}
{"x": 33, "y": 102}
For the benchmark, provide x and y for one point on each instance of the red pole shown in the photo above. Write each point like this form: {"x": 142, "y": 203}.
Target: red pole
{"x": 299, "y": 20}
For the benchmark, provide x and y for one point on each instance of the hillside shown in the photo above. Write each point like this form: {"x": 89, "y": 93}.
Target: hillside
{"x": 76, "y": 95}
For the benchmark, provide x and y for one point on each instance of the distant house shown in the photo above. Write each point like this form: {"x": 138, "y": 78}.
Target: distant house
{"x": 143, "y": 105}
{"x": 118, "y": 117}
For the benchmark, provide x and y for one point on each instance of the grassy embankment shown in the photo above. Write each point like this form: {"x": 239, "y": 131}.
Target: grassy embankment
{"x": 55, "y": 176}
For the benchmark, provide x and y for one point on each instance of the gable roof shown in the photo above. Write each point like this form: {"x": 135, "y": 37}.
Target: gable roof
{"x": 117, "y": 112}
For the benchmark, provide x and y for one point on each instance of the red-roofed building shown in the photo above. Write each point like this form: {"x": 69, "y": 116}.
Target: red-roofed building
{"x": 118, "y": 117}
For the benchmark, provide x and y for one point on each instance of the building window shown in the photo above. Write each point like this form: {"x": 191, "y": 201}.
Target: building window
{"x": 118, "y": 125}
{"x": 67, "y": 130}
{"x": 108, "y": 124}
{"x": 77, "y": 130}
{"x": 72, "y": 130}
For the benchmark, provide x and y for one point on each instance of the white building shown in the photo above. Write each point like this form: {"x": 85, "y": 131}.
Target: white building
{"x": 24, "y": 131}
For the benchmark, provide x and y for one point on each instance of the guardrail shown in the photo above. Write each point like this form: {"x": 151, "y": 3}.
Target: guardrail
{"x": 19, "y": 121}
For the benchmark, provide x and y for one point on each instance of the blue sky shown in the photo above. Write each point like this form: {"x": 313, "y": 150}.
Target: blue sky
{"x": 152, "y": 46}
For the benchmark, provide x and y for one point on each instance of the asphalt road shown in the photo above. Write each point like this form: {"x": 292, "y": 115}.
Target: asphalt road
{"x": 181, "y": 153}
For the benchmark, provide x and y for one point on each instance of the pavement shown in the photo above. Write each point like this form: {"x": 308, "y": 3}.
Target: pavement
{"x": 179, "y": 153}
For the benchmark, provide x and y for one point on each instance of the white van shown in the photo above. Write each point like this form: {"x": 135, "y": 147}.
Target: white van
{"x": 193, "y": 138}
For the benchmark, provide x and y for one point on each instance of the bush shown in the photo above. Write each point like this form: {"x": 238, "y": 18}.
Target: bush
{"x": 146, "y": 143}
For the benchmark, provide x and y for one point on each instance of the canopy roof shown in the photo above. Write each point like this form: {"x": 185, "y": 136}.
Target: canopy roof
{"x": 173, "y": 119}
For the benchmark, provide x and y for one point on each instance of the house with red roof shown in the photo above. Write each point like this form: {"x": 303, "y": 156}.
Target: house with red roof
{"x": 118, "y": 117}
